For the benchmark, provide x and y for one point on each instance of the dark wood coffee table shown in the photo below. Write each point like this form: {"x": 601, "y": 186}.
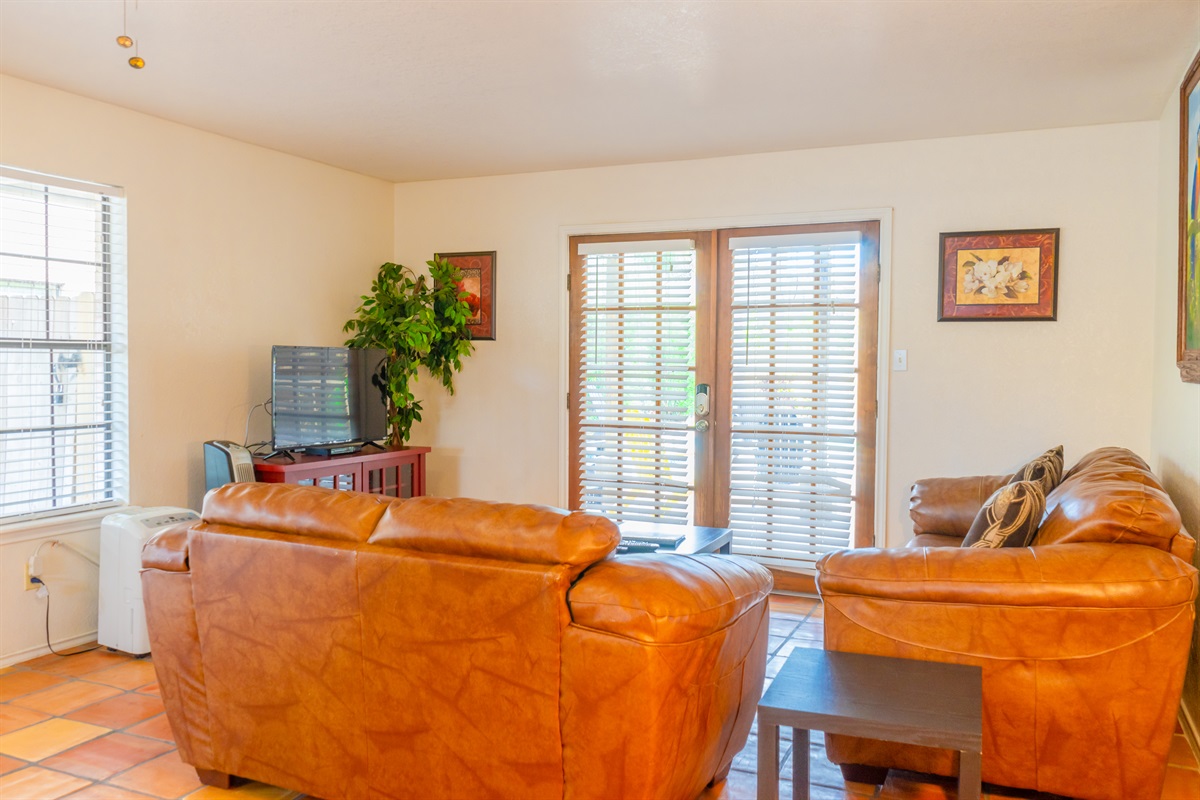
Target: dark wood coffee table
{"x": 697, "y": 539}
{"x": 894, "y": 699}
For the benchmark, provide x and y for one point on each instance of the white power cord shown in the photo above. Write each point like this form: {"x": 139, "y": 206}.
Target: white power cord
{"x": 43, "y": 591}
{"x": 35, "y": 570}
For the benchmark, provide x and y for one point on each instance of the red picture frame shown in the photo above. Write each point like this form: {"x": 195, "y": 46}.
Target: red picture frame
{"x": 479, "y": 280}
{"x": 999, "y": 275}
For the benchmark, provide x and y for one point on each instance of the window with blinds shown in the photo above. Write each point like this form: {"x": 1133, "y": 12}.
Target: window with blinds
{"x": 63, "y": 438}
{"x": 635, "y": 347}
{"x": 795, "y": 328}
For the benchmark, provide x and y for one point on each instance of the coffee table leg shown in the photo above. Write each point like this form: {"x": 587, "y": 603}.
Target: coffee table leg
{"x": 768, "y": 761}
{"x": 800, "y": 755}
{"x": 969, "y": 775}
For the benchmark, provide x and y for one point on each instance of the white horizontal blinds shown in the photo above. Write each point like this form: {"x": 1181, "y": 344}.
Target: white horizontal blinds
{"x": 62, "y": 332}
{"x": 636, "y": 368}
{"x": 794, "y": 322}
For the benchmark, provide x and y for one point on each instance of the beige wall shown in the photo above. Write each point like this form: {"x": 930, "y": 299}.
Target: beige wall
{"x": 1175, "y": 451}
{"x": 232, "y": 248}
{"x": 217, "y": 226}
{"x": 977, "y": 397}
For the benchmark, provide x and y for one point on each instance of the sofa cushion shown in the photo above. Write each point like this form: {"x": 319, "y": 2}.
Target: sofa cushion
{"x": 934, "y": 540}
{"x": 1010, "y": 516}
{"x": 1114, "y": 463}
{"x": 948, "y": 506}
{"x": 1047, "y": 469}
{"x": 297, "y": 510}
{"x": 482, "y": 529}
{"x": 1103, "y": 509}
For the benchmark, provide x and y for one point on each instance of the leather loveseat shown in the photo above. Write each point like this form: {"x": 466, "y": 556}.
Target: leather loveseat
{"x": 349, "y": 646}
{"x": 1082, "y": 637}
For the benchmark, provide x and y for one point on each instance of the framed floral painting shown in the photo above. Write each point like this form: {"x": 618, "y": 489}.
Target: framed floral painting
{"x": 479, "y": 282}
{"x": 999, "y": 275}
{"x": 1188, "y": 350}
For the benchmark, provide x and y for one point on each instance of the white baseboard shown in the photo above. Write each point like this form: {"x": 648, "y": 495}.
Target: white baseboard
{"x": 21, "y": 656}
{"x": 1191, "y": 731}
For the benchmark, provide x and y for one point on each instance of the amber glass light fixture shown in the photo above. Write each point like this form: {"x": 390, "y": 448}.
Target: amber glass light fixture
{"x": 125, "y": 40}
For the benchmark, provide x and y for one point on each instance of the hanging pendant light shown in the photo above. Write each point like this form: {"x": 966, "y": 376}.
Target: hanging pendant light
{"x": 124, "y": 40}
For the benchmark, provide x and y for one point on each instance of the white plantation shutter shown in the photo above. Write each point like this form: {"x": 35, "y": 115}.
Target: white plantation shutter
{"x": 793, "y": 394}
{"x": 63, "y": 399}
{"x": 636, "y": 360}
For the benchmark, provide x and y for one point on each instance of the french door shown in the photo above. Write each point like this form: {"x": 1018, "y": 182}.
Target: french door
{"x": 727, "y": 378}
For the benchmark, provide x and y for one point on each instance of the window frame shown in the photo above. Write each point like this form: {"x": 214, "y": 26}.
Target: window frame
{"x": 111, "y": 346}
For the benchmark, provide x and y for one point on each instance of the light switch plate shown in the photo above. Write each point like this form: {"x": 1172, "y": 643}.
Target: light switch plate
{"x": 899, "y": 360}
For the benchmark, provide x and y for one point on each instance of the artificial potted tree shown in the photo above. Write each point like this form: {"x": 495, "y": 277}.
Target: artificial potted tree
{"x": 420, "y": 321}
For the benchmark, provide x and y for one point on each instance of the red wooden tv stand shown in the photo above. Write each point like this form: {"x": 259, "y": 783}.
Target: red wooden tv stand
{"x": 394, "y": 471}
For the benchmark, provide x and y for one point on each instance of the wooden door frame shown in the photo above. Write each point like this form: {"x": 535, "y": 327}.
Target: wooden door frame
{"x": 706, "y": 305}
{"x": 882, "y": 215}
{"x": 863, "y": 534}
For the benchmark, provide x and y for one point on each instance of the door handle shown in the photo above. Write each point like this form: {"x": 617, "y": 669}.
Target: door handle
{"x": 702, "y": 426}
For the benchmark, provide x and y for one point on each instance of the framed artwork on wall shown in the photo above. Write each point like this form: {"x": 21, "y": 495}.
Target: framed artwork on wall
{"x": 1188, "y": 348}
{"x": 479, "y": 281}
{"x": 999, "y": 275}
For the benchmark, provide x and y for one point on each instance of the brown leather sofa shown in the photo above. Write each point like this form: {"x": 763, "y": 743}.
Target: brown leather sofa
{"x": 349, "y": 646}
{"x": 1083, "y": 637}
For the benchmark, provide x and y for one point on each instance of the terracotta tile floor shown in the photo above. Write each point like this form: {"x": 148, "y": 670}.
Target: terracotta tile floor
{"x": 91, "y": 727}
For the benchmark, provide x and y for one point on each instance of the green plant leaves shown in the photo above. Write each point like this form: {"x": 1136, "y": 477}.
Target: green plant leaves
{"x": 420, "y": 323}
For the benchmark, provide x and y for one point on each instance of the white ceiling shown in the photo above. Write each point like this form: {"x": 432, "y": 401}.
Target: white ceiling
{"x": 422, "y": 90}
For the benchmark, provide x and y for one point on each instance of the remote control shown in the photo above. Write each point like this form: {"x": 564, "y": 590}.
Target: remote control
{"x": 637, "y": 546}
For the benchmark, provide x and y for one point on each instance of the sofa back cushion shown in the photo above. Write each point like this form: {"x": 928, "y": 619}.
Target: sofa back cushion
{"x": 1115, "y": 463}
{"x": 1112, "y": 496}
{"x": 948, "y": 506}
{"x": 1106, "y": 510}
{"x": 295, "y": 510}
{"x": 530, "y": 534}
{"x": 481, "y": 529}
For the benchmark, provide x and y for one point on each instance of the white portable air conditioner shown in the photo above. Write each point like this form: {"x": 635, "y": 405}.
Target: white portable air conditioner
{"x": 122, "y": 624}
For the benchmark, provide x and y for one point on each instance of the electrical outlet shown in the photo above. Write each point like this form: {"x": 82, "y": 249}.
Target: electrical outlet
{"x": 30, "y": 585}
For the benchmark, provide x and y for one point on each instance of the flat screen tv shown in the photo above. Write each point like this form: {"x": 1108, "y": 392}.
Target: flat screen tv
{"x": 324, "y": 396}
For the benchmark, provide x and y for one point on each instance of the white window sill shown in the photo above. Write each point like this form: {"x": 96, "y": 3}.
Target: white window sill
{"x": 60, "y": 525}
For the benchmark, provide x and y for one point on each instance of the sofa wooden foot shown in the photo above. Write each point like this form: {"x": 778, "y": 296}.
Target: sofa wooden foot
{"x": 863, "y": 773}
{"x": 722, "y": 773}
{"x": 218, "y": 780}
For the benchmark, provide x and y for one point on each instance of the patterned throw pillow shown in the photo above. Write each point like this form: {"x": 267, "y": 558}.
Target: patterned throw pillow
{"x": 1046, "y": 469}
{"x": 1009, "y": 518}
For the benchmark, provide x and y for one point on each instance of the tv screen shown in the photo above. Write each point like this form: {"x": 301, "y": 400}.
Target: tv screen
{"x": 325, "y": 395}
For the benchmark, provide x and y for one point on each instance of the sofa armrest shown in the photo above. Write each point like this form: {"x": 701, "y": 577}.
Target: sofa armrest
{"x": 666, "y": 656}
{"x": 667, "y": 598}
{"x": 948, "y": 506}
{"x": 1090, "y": 575}
{"x": 168, "y": 549}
